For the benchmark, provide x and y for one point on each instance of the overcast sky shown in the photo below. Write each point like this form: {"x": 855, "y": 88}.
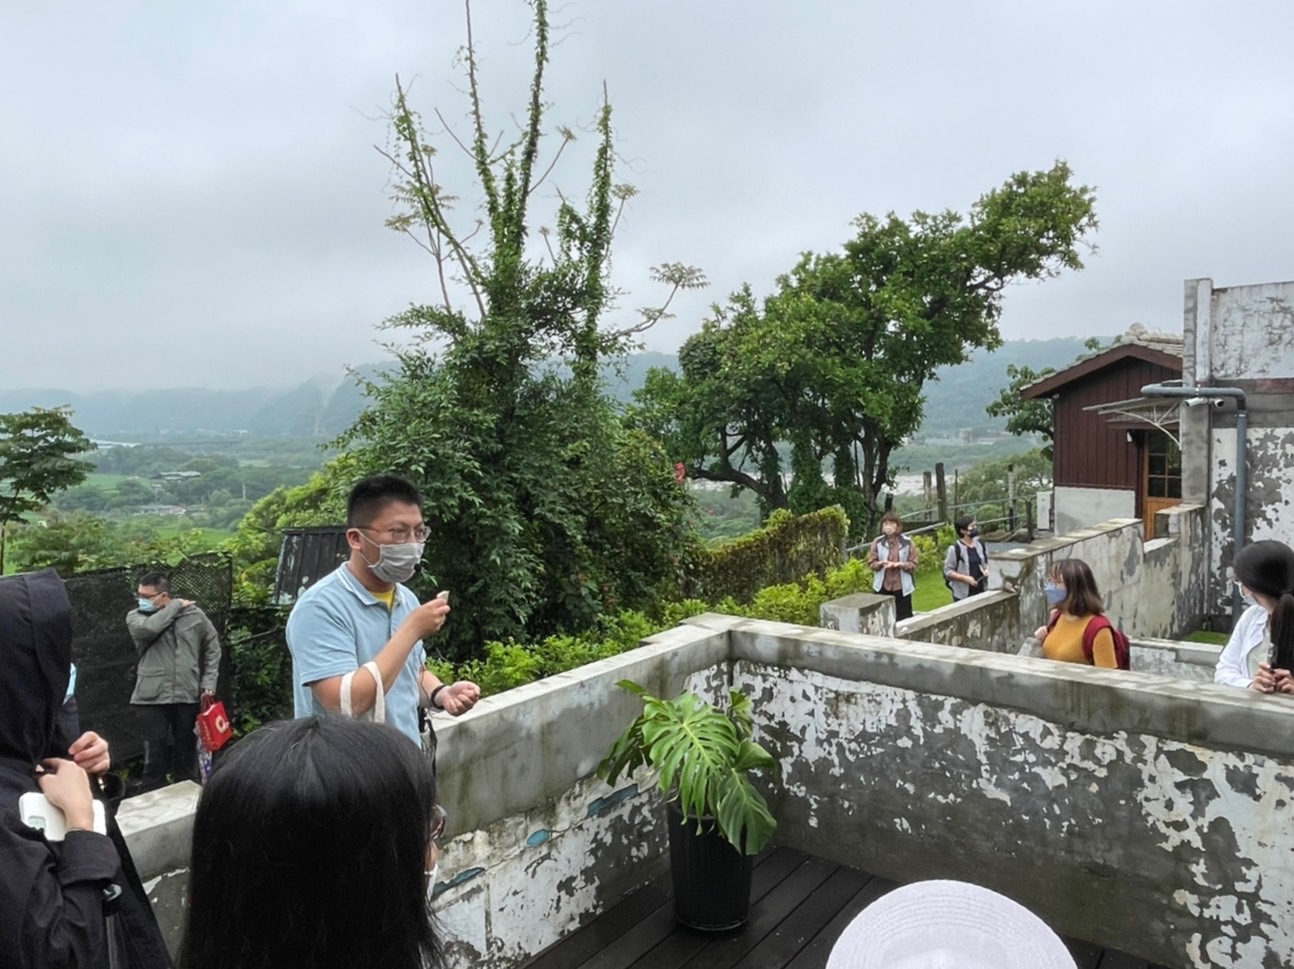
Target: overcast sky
{"x": 189, "y": 194}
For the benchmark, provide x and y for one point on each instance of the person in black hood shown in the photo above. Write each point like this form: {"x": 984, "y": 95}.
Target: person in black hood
{"x": 54, "y": 896}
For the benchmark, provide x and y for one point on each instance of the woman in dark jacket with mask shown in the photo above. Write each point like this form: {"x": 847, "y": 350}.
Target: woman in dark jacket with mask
{"x": 54, "y": 894}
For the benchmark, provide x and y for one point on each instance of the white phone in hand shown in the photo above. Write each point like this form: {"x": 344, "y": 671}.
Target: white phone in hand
{"x": 443, "y": 595}
{"x": 37, "y": 813}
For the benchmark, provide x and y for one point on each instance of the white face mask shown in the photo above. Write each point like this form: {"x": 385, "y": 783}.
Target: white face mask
{"x": 395, "y": 563}
{"x": 1246, "y": 596}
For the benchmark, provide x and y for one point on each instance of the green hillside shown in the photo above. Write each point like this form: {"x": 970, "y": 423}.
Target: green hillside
{"x": 323, "y": 407}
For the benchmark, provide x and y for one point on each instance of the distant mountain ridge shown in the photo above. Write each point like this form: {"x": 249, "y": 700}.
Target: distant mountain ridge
{"x": 323, "y": 407}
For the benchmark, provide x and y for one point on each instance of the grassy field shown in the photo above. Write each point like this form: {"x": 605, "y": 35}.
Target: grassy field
{"x": 930, "y": 593}
{"x": 174, "y": 527}
{"x": 105, "y": 482}
{"x": 1205, "y": 636}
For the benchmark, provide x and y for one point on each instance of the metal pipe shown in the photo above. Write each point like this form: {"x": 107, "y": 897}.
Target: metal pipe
{"x": 1242, "y": 477}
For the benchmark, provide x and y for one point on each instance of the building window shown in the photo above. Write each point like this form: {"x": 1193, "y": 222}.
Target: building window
{"x": 1163, "y": 467}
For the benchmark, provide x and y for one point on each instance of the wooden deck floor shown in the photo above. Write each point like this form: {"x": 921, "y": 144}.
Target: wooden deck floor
{"x": 799, "y": 907}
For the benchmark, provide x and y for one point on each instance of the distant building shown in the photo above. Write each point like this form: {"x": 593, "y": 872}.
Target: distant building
{"x": 173, "y": 510}
{"x": 178, "y": 475}
{"x": 1228, "y": 399}
{"x": 1115, "y": 453}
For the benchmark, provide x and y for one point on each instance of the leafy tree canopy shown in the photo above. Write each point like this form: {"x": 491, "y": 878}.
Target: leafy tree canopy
{"x": 834, "y": 361}
{"x": 38, "y": 459}
{"x": 544, "y": 510}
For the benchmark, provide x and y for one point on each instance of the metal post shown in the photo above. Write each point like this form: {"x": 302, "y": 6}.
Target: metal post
{"x": 1010, "y": 497}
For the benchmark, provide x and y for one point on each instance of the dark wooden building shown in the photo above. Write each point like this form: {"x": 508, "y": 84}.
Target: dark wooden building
{"x": 1115, "y": 452}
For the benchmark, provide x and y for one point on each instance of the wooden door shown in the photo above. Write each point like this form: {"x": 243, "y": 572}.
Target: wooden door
{"x": 1161, "y": 478}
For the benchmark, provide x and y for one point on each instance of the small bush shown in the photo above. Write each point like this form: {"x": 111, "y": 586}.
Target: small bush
{"x": 507, "y": 665}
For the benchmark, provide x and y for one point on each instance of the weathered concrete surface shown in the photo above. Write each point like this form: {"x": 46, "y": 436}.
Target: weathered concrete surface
{"x": 1075, "y": 508}
{"x": 527, "y": 746}
{"x": 510, "y": 890}
{"x": 990, "y": 621}
{"x": 1142, "y": 812}
{"x": 1168, "y": 657}
{"x": 158, "y": 828}
{"x": 1240, "y": 336}
{"x": 1136, "y": 811}
{"x": 862, "y": 612}
{"x": 1151, "y": 589}
{"x": 540, "y": 846}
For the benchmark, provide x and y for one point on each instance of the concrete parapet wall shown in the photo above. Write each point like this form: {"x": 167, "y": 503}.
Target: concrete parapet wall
{"x": 158, "y": 828}
{"x": 862, "y": 612}
{"x": 1075, "y": 507}
{"x": 1133, "y": 810}
{"x": 1169, "y": 657}
{"x": 1151, "y": 589}
{"x": 539, "y": 846}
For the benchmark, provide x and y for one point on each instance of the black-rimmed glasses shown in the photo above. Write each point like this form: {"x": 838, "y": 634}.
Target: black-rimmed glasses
{"x": 400, "y": 536}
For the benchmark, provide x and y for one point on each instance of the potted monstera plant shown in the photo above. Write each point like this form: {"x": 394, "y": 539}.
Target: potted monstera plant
{"x": 703, "y": 757}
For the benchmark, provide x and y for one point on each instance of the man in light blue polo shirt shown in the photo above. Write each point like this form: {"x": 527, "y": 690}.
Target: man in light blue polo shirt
{"x": 361, "y": 613}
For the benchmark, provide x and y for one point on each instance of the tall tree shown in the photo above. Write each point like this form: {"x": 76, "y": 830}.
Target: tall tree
{"x": 832, "y": 365}
{"x": 543, "y": 509}
{"x": 38, "y": 449}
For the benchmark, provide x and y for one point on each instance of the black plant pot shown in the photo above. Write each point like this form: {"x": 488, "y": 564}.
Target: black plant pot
{"x": 711, "y": 877}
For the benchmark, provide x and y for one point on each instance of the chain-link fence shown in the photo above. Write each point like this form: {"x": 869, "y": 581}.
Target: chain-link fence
{"x": 102, "y": 648}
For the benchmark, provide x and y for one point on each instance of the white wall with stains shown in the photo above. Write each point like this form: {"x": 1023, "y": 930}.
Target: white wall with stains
{"x": 1241, "y": 337}
{"x": 1136, "y": 811}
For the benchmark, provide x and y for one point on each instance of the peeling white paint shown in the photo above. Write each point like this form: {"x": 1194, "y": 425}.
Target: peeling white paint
{"x": 1205, "y": 817}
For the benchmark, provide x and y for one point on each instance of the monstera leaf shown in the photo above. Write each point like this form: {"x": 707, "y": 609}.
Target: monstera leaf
{"x": 703, "y": 757}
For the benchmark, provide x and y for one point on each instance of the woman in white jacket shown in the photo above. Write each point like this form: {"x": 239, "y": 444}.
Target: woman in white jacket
{"x": 1246, "y": 649}
{"x": 1260, "y": 653}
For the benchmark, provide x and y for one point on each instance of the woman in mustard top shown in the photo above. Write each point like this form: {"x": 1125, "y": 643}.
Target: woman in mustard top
{"x": 1072, "y": 594}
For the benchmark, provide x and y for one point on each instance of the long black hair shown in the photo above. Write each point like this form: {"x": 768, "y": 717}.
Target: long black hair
{"x": 309, "y": 847}
{"x": 1268, "y": 569}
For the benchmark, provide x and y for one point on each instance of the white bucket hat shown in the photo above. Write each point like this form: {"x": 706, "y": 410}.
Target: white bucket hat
{"x": 948, "y": 925}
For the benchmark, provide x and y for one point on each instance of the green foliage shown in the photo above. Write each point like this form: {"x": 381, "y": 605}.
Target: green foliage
{"x": 703, "y": 757}
{"x": 38, "y": 459}
{"x": 835, "y": 361}
{"x": 788, "y": 546}
{"x": 722, "y": 515}
{"x": 506, "y": 665}
{"x": 81, "y": 542}
{"x": 256, "y": 541}
{"x": 989, "y": 480}
{"x": 261, "y": 688}
{"x": 545, "y": 512}
{"x": 930, "y": 553}
{"x": 1030, "y": 416}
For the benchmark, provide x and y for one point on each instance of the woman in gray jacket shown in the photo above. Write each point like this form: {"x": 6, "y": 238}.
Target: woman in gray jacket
{"x": 894, "y": 559}
{"x": 966, "y": 564}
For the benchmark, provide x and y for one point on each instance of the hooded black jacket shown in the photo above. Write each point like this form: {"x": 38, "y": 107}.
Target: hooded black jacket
{"x": 51, "y": 894}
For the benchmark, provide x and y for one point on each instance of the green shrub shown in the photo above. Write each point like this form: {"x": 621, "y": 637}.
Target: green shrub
{"x": 787, "y": 547}
{"x": 675, "y": 612}
{"x": 506, "y": 665}
{"x": 930, "y": 554}
{"x": 261, "y": 668}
